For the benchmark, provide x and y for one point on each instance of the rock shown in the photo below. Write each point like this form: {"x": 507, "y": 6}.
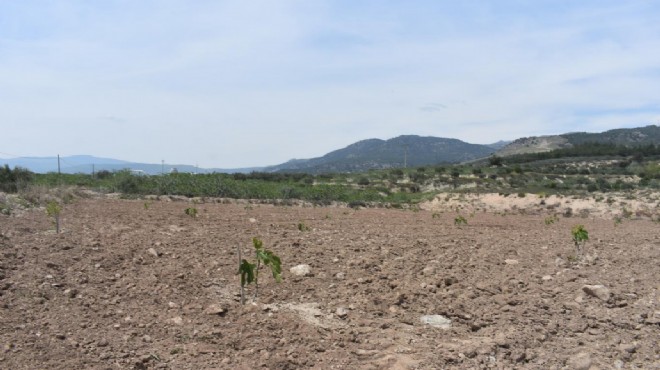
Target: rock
{"x": 340, "y": 276}
{"x": 71, "y": 293}
{"x": 147, "y": 339}
{"x": 102, "y": 343}
{"x": 598, "y": 291}
{"x": 215, "y": 309}
{"x": 559, "y": 262}
{"x": 546, "y": 278}
{"x": 581, "y": 361}
{"x": 177, "y": 320}
{"x": 630, "y": 347}
{"x": 436, "y": 321}
{"x": 253, "y": 220}
{"x": 153, "y": 252}
{"x": 653, "y": 319}
{"x": 511, "y": 262}
{"x": 341, "y": 312}
{"x": 518, "y": 355}
{"x": 501, "y": 341}
{"x": 301, "y": 270}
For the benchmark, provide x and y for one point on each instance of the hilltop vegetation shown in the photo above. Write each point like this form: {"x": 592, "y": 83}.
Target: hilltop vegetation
{"x": 407, "y": 150}
{"x": 630, "y": 137}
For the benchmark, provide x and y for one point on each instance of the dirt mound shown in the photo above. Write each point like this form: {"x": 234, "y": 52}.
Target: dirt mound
{"x": 129, "y": 285}
{"x": 637, "y": 205}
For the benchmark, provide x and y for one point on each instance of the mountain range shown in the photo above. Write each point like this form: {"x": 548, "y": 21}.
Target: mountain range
{"x": 401, "y": 151}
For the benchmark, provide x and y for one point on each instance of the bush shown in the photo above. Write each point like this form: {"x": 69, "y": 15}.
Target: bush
{"x": 11, "y": 181}
{"x": 364, "y": 181}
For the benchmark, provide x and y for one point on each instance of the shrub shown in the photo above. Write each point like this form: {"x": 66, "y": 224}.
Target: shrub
{"x": 364, "y": 181}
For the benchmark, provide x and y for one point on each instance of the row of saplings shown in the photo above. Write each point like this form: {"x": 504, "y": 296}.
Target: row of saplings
{"x": 249, "y": 272}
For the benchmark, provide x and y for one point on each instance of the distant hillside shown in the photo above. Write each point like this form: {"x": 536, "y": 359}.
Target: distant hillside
{"x": 500, "y": 144}
{"x": 627, "y": 137}
{"x": 87, "y": 163}
{"x": 376, "y": 154}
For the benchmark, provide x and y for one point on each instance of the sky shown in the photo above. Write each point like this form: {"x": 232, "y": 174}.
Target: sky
{"x": 229, "y": 84}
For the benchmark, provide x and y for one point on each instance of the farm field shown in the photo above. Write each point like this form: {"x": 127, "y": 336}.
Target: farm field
{"x": 135, "y": 285}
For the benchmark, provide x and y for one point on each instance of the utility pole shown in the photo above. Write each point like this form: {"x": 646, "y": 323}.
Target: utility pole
{"x": 92, "y": 170}
{"x": 58, "y": 165}
{"x": 162, "y": 167}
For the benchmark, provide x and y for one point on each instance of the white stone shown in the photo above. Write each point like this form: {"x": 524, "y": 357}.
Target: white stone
{"x": 581, "y": 361}
{"x": 598, "y": 291}
{"x": 436, "y": 321}
{"x": 301, "y": 270}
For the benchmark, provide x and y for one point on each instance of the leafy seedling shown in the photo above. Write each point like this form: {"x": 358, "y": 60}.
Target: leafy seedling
{"x": 551, "y": 220}
{"x": 146, "y": 205}
{"x": 435, "y": 215}
{"x": 53, "y": 209}
{"x": 191, "y": 211}
{"x": 580, "y": 237}
{"x": 302, "y": 227}
{"x": 460, "y": 220}
{"x": 250, "y": 271}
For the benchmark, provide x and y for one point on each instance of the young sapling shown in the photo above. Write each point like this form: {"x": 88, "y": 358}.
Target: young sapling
{"x": 191, "y": 211}
{"x": 250, "y": 271}
{"x": 53, "y": 209}
{"x": 580, "y": 237}
{"x": 460, "y": 220}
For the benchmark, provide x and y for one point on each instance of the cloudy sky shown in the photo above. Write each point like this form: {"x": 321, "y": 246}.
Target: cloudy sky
{"x": 248, "y": 83}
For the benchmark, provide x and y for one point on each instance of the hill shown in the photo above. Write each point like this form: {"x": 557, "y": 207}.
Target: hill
{"x": 626, "y": 137}
{"x": 406, "y": 150}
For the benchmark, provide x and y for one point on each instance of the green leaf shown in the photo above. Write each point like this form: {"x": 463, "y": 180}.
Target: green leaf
{"x": 580, "y": 234}
{"x": 258, "y": 244}
{"x": 268, "y": 258}
{"x": 246, "y": 269}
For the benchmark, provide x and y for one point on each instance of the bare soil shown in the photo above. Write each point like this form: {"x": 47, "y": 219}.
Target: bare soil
{"x": 129, "y": 287}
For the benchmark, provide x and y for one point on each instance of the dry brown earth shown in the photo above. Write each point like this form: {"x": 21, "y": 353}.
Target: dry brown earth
{"x": 126, "y": 287}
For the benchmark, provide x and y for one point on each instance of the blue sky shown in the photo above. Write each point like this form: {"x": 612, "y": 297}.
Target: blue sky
{"x": 249, "y": 83}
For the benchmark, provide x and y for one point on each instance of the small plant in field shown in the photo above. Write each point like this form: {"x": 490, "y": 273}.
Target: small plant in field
{"x": 147, "y": 205}
{"x": 460, "y": 220}
{"x": 626, "y": 213}
{"x": 551, "y": 219}
{"x": 250, "y": 271}
{"x": 191, "y": 211}
{"x": 302, "y": 227}
{"x": 617, "y": 221}
{"x": 53, "y": 209}
{"x": 248, "y": 207}
{"x": 5, "y": 209}
{"x": 435, "y": 215}
{"x": 580, "y": 237}
{"x": 328, "y": 217}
